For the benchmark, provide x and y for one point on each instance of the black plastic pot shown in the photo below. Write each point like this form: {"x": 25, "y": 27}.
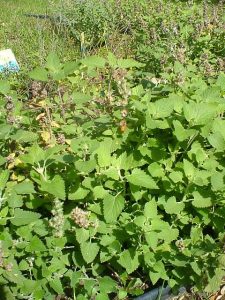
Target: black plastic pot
{"x": 160, "y": 293}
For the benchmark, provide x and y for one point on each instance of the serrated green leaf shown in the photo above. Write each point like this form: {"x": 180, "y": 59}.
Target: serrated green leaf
{"x": 162, "y": 108}
{"x": 150, "y": 209}
{"x": 39, "y": 74}
{"x": 4, "y": 176}
{"x": 215, "y": 280}
{"x": 35, "y": 154}
{"x": 29, "y": 286}
{"x": 152, "y": 239}
{"x": 104, "y": 154}
{"x": 36, "y": 244}
{"x": 196, "y": 234}
{"x": 55, "y": 187}
{"x": 25, "y": 187}
{"x": 24, "y": 136}
{"x": 4, "y": 212}
{"x": 112, "y": 207}
{"x": 168, "y": 234}
{"x": 24, "y": 217}
{"x": 53, "y": 63}
{"x": 140, "y": 178}
{"x": 14, "y": 200}
{"x": 23, "y": 265}
{"x": 112, "y": 173}
{"x": 140, "y": 221}
{"x": 79, "y": 194}
{"x": 173, "y": 207}
{"x": 99, "y": 192}
{"x": 94, "y": 61}
{"x": 85, "y": 166}
{"x": 200, "y": 201}
{"x": 5, "y": 131}
{"x": 107, "y": 285}
{"x": 89, "y": 251}
{"x": 156, "y": 170}
{"x": 200, "y": 113}
{"x": 112, "y": 60}
{"x": 4, "y": 87}
{"x": 82, "y": 235}
{"x": 217, "y": 181}
{"x": 154, "y": 276}
{"x": 81, "y": 98}
{"x": 176, "y": 176}
{"x": 2, "y": 160}
{"x": 56, "y": 285}
{"x": 102, "y": 296}
{"x": 128, "y": 63}
{"x": 217, "y": 140}
{"x": 129, "y": 260}
{"x": 189, "y": 169}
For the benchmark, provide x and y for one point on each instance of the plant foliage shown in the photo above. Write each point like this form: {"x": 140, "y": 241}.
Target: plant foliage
{"x": 110, "y": 184}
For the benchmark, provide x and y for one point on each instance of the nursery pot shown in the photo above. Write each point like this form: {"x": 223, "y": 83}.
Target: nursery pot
{"x": 160, "y": 293}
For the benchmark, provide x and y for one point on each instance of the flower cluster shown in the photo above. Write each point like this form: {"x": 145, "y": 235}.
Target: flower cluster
{"x": 80, "y": 217}
{"x": 57, "y": 221}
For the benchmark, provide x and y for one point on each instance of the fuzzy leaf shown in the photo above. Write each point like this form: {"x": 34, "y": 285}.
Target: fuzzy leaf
{"x": 154, "y": 276}
{"x": 36, "y": 244}
{"x": 156, "y": 170}
{"x": 107, "y": 285}
{"x": 173, "y": 207}
{"x": 82, "y": 235}
{"x": 99, "y": 192}
{"x": 176, "y": 176}
{"x": 89, "y": 251}
{"x": 24, "y": 136}
{"x": 217, "y": 140}
{"x": 4, "y": 87}
{"x": 104, "y": 154}
{"x": 112, "y": 207}
{"x": 150, "y": 210}
{"x": 169, "y": 234}
{"x": 201, "y": 202}
{"x": 128, "y": 63}
{"x": 39, "y": 74}
{"x": 152, "y": 239}
{"x": 129, "y": 260}
{"x": 4, "y": 176}
{"x": 189, "y": 169}
{"x": 140, "y": 178}
{"x": 79, "y": 194}
{"x": 94, "y": 61}
{"x": 24, "y": 217}
{"x": 199, "y": 113}
{"x": 217, "y": 181}
{"x": 55, "y": 187}
{"x": 56, "y": 285}
{"x": 53, "y": 63}
{"x": 35, "y": 154}
{"x": 81, "y": 98}
{"x": 179, "y": 131}
{"x": 25, "y": 187}
{"x": 85, "y": 166}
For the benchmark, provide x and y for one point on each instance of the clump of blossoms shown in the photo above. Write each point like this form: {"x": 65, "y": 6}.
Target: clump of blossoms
{"x": 57, "y": 221}
{"x": 81, "y": 218}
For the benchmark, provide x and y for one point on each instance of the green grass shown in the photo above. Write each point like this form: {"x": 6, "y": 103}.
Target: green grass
{"x": 32, "y": 39}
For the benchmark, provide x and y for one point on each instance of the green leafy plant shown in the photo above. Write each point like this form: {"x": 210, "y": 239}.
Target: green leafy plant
{"x": 110, "y": 184}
